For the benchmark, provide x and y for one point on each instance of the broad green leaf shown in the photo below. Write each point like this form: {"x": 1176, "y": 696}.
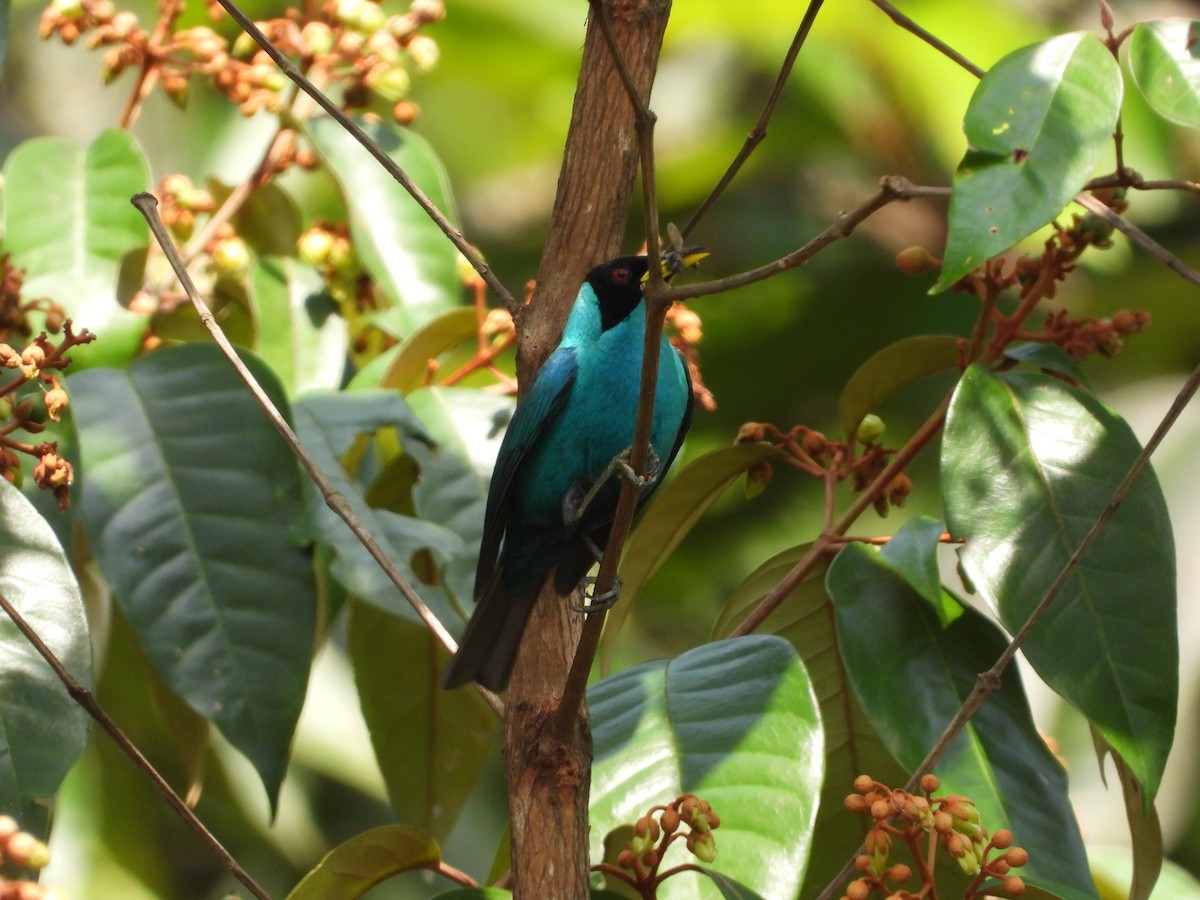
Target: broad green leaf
{"x": 352, "y": 868}
{"x": 301, "y": 336}
{"x": 911, "y": 674}
{"x": 1028, "y": 465}
{"x": 730, "y": 888}
{"x": 405, "y": 252}
{"x": 431, "y": 745}
{"x": 891, "y": 369}
{"x": 69, "y": 224}
{"x": 1145, "y": 831}
{"x": 805, "y": 619}
{"x": 189, "y": 500}
{"x": 407, "y": 369}
{"x": 735, "y": 723}
{"x": 913, "y": 552}
{"x": 1048, "y": 358}
{"x": 1036, "y": 127}
{"x": 674, "y": 511}
{"x": 42, "y": 730}
{"x": 329, "y": 425}
{"x": 1166, "y": 69}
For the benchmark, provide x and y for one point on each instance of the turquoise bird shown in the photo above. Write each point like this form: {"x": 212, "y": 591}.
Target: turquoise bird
{"x": 577, "y": 417}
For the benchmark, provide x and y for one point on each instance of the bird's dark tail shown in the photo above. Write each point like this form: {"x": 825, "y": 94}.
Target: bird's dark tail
{"x": 489, "y": 645}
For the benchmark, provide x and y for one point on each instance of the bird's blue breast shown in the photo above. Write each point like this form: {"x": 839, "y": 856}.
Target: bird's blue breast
{"x": 597, "y": 421}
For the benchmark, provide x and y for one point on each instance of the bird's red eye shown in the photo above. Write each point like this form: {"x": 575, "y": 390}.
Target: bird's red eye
{"x": 621, "y": 274}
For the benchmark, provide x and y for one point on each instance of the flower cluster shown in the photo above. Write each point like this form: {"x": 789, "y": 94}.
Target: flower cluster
{"x": 21, "y": 850}
{"x": 925, "y": 823}
{"x": 687, "y": 817}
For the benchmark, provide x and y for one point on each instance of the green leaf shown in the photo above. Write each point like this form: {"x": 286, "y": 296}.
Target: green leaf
{"x": 408, "y": 367}
{"x": 432, "y": 745}
{"x": 730, "y": 888}
{"x": 69, "y": 223}
{"x": 1162, "y": 56}
{"x": 268, "y": 221}
{"x": 304, "y": 339}
{"x": 1036, "y": 127}
{"x": 328, "y": 426}
{"x": 1145, "y": 831}
{"x": 735, "y": 723}
{"x": 1048, "y": 358}
{"x": 912, "y": 674}
{"x": 352, "y": 868}
{"x": 188, "y": 501}
{"x": 913, "y": 552}
{"x": 805, "y": 619}
{"x": 1028, "y": 465}
{"x": 1113, "y": 868}
{"x": 892, "y": 368}
{"x": 404, "y": 251}
{"x": 675, "y": 510}
{"x": 42, "y": 730}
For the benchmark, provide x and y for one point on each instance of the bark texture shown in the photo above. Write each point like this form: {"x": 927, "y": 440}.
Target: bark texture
{"x": 548, "y": 774}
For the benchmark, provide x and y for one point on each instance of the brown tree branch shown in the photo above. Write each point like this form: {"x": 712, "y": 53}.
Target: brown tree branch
{"x": 89, "y": 704}
{"x": 937, "y": 43}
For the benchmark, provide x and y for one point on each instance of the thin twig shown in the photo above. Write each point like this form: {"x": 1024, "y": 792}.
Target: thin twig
{"x": 589, "y": 640}
{"x": 759, "y": 131}
{"x": 389, "y": 164}
{"x": 1139, "y": 237}
{"x": 88, "y": 702}
{"x": 937, "y": 43}
{"x": 147, "y": 205}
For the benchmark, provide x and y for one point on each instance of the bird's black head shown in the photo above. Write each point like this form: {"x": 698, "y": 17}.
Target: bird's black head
{"x": 618, "y": 287}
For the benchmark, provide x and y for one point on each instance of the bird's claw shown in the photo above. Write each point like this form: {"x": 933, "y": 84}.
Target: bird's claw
{"x": 597, "y": 603}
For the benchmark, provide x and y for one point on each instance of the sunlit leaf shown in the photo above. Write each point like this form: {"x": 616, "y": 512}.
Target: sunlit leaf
{"x": 302, "y": 338}
{"x": 673, "y": 512}
{"x": 431, "y": 744}
{"x": 42, "y": 730}
{"x": 805, "y": 619}
{"x": 352, "y": 868}
{"x": 1036, "y": 127}
{"x": 409, "y": 365}
{"x": 189, "y": 500}
{"x": 735, "y": 723}
{"x": 1028, "y": 465}
{"x": 912, "y": 674}
{"x": 395, "y": 240}
{"x": 268, "y": 221}
{"x": 891, "y": 369}
{"x": 69, "y": 223}
{"x": 1162, "y": 55}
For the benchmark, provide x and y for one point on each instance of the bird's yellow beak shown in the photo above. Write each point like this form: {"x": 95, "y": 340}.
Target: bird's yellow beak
{"x": 675, "y": 261}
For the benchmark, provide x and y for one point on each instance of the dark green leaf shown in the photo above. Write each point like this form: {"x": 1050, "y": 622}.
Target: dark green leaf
{"x": 301, "y": 336}
{"x": 1166, "y": 69}
{"x": 352, "y": 868}
{"x": 891, "y": 369}
{"x": 1028, "y": 465}
{"x": 730, "y": 888}
{"x": 42, "y": 730}
{"x": 69, "y": 223}
{"x": 672, "y": 514}
{"x": 805, "y": 619}
{"x": 405, "y": 252}
{"x": 735, "y": 723}
{"x": 431, "y": 744}
{"x": 268, "y": 221}
{"x": 1146, "y": 850}
{"x": 913, "y": 552}
{"x": 1048, "y": 358}
{"x": 912, "y": 675}
{"x": 329, "y": 425}
{"x": 188, "y": 501}
{"x": 1036, "y": 127}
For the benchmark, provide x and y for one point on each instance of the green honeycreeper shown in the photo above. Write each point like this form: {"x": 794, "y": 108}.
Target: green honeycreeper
{"x": 577, "y": 417}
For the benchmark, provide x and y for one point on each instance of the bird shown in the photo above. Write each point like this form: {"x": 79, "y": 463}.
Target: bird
{"x": 553, "y": 492}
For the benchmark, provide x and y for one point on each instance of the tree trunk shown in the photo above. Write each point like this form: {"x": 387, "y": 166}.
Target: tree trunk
{"x": 548, "y": 778}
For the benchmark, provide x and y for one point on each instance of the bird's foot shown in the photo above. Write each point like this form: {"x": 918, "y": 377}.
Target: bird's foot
{"x": 574, "y": 506}
{"x": 597, "y": 602}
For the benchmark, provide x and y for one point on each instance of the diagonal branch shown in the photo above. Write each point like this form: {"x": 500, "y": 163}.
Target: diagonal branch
{"x": 147, "y": 205}
{"x": 289, "y": 69}
{"x": 88, "y": 702}
{"x": 937, "y": 43}
{"x": 759, "y": 131}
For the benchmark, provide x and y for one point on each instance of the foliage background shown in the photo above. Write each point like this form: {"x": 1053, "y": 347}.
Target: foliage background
{"x": 866, "y": 99}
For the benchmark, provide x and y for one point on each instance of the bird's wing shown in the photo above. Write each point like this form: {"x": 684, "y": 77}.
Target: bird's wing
{"x": 687, "y": 416}
{"x": 539, "y": 407}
